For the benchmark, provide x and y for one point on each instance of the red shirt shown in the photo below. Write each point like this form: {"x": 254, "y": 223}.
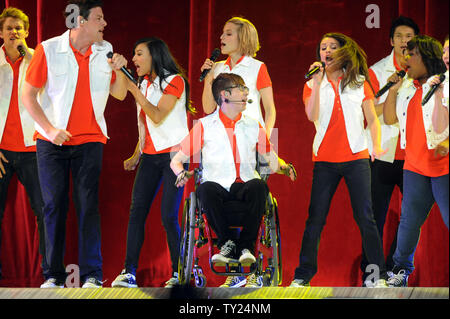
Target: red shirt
{"x": 175, "y": 88}
{"x": 335, "y": 147}
{"x": 82, "y": 123}
{"x": 13, "y": 139}
{"x": 418, "y": 158}
{"x": 193, "y": 143}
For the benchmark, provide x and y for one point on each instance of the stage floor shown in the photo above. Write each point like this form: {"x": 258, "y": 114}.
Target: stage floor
{"x": 228, "y": 293}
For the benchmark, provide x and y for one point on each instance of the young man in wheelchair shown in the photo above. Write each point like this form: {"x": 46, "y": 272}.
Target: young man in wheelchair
{"x": 228, "y": 141}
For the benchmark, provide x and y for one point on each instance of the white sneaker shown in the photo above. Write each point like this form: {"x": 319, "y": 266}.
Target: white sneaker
{"x": 52, "y": 283}
{"x": 172, "y": 282}
{"x": 299, "y": 283}
{"x": 247, "y": 257}
{"x": 92, "y": 282}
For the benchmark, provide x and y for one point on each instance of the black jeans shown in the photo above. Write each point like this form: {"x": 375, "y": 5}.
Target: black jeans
{"x": 326, "y": 177}
{"x": 385, "y": 176}
{"x": 152, "y": 171}
{"x": 55, "y": 163}
{"x": 25, "y": 166}
{"x": 253, "y": 194}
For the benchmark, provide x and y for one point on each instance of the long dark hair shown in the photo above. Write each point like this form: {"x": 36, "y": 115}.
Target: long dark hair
{"x": 350, "y": 57}
{"x": 431, "y": 52}
{"x": 164, "y": 65}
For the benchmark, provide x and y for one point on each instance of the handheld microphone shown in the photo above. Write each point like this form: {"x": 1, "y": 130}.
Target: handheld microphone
{"x": 109, "y": 55}
{"x": 214, "y": 55}
{"x": 388, "y": 85}
{"x": 314, "y": 71}
{"x": 433, "y": 89}
{"x": 21, "y": 50}
{"x": 250, "y": 101}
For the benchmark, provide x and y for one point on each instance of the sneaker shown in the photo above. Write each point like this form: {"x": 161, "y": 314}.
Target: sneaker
{"x": 254, "y": 281}
{"x": 247, "y": 257}
{"x": 52, "y": 283}
{"x": 172, "y": 282}
{"x": 299, "y": 283}
{"x": 234, "y": 282}
{"x": 125, "y": 279}
{"x": 226, "y": 252}
{"x": 92, "y": 282}
{"x": 380, "y": 283}
{"x": 398, "y": 280}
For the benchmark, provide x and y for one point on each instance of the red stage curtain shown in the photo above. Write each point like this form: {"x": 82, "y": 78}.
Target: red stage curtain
{"x": 288, "y": 31}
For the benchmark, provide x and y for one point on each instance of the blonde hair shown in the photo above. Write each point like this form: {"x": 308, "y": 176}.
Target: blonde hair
{"x": 15, "y": 13}
{"x": 248, "y": 36}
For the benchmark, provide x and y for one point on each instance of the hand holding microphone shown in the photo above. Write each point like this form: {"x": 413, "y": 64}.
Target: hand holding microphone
{"x": 393, "y": 79}
{"x": 315, "y": 68}
{"x": 433, "y": 89}
{"x": 207, "y": 65}
{"x": 118, "y": 62}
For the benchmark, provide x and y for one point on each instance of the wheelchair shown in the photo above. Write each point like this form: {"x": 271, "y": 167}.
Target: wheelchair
{"x": 197, "y": 235}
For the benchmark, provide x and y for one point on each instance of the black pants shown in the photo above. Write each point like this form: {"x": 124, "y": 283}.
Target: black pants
{"x": 326, "y": 178}
{"x": 25, "y": 166}
{"x": 385, "y": 176}
{"x": 55, "y": 163}
{"x": 253, "y": 194}
{"x": 152, "y": 171}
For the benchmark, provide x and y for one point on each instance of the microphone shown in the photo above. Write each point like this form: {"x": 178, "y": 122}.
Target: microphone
{"x": 109, "y": 55}
{"x": 214, "y": 55}
{"x": 388, "y": 85}
{"x": 21, "y": 50}
{"x": 433, "y": 89}
{"x": 314, "y": 71}
{"x": 250, "y": 101}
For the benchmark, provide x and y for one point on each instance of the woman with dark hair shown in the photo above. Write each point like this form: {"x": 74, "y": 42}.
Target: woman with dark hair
{"x": 426, "y": 171}
{"x": 338, "y": 99}
{"x": 162, "y": 100}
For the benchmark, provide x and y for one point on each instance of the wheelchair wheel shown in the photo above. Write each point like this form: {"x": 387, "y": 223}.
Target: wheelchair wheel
{"x": 187, "y": 240}
{"x": 273, "y": 274}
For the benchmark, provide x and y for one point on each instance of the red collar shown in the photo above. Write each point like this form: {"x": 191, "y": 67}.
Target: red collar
{"x": 228, "y": 61}
{"x": 227, "y": 122}
{"x": 18, "y": 61}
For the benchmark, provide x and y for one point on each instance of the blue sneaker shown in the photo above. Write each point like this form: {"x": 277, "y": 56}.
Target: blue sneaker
{"x": 254, "y": 281}
{"x": 234, "y": 282}
{"x": 125, "y": 280}
{"x": 400, "y": 279}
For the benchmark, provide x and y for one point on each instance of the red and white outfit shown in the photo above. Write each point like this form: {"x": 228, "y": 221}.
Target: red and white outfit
{"x": 16, "y": 124}
{"x": 75, "y": 88}
{"x": 340, "y": 111}
{"x": 163, "y": 137}
{"x": 379, "y": 74}
{"x": 256, "y": 77}
{"x": 227, "y": 147}
{"x": 417, "y": 136}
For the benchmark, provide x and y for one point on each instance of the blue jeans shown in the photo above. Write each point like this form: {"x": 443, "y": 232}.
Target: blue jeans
{"x": 55, "y": 163}
{"x": 326, "y": 178}
{"x": 152, "y": 171}
{"x": 25, "y": 166}
{"x": 419, "y": 194}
